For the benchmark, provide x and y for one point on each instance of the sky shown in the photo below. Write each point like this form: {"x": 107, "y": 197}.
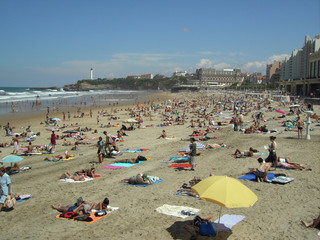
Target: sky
{"x": 53, "y": 43}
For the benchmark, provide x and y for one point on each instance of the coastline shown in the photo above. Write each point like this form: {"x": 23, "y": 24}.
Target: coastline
{"x": 272, "y": 216}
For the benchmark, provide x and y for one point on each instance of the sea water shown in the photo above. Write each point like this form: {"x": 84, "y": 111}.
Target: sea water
{"x": 22, "y": 99}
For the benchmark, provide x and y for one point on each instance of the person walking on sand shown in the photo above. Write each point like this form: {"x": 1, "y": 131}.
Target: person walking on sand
{"x": 300, "y": 125}
{"x": 15, "y": 144}
{"x": 192, "y": 153}
{"x": 53, "y": 139}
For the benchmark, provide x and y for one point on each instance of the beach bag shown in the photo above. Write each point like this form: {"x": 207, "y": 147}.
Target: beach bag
{"x": 141, "y": 158}
{"x": 198, "y": 220}
{"x": 84, "y": 218}
{"x": 10, "y": 202}
{"x": 69, "y": 215}
{"x": 206, "y": 229}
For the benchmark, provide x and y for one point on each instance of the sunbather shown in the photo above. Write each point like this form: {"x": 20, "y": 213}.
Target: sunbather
{"x": 286, "y": 163}
{"x": 240, "y": 154}
{"x": 69, "y": 175}
{"x": 140, "y": 178}
{"x": 163, "y": 135}
{"x": 260, "y": 172}
{"x": 215, "y": 145}
{"x": 80, "y": 207}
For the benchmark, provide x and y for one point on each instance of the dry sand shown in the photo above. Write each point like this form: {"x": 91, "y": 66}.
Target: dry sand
{"x": 276, "y": 214}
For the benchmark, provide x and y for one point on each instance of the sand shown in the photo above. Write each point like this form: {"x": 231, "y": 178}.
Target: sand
{"x": 276, "y": 214}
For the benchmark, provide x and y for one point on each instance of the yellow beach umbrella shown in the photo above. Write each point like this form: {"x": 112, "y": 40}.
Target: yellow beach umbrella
{"x": 225, "y": 191}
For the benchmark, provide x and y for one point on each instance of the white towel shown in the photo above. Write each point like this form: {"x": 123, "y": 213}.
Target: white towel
{"x": 73, "y": 181}
{"x": 176, "y": 210}
{"x": 227, "y": 222}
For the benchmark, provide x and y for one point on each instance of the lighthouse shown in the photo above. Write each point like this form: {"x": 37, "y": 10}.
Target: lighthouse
{"x": 91, "y": 73}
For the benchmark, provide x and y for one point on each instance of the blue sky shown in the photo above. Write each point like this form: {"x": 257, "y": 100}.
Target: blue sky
{"x": 53, "y": 43}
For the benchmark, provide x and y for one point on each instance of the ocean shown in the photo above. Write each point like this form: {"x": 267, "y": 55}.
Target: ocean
{"x": 15, "y": 100}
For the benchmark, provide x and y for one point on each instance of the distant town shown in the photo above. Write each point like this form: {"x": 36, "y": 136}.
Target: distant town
{"x": 297, "y": 75}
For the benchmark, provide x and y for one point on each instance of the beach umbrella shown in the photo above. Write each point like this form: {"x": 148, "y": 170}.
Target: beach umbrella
{"x": 130, "y": 120}
{"x": 225, "y": 191}
{"x": 11, "y": 159}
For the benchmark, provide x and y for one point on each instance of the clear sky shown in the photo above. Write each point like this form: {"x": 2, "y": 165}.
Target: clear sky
{"x": 56, "y": 42}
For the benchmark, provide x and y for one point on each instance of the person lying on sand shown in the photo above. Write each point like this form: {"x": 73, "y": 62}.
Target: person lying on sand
{"x": 315, "y": 223}
{"x": 66, "y": 142}
{"x": 215, "y": 145}
{"x": 140, "y": 178}
{"x": 80, "y": 207}
{"x": 261, "y": 171}
{"x": 286, "y": 163}
{"x": 240, "y": 154}
{"x": 68, "y": 175}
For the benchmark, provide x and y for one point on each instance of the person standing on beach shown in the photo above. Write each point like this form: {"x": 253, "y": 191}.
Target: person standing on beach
{"x": 235, "y": 123}
{"x": 5, "y": 186}
{"x": 15, "y": 144}
{"x": 64, "y": 116}
{"x": 241, "y": 121}
{"x": 69, "y": 116}
{"x": 53, "y": 139}
{"x": 272, "y": 158}
{"x": 300, "y": 125}
{"x": 192, "y": 153}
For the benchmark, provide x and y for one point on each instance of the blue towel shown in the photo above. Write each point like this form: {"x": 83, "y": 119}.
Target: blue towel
{"x": 252, "y": 177}
{"x": 125, "y": 164}
{"x": 180, "y": 194}
{"x": 132, "y": 150}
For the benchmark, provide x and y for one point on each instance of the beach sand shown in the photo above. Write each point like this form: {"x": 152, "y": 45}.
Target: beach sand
{"x": 276, "y": 214}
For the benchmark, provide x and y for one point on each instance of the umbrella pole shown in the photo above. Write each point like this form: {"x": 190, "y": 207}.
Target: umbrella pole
{"x": 219, "y": 220}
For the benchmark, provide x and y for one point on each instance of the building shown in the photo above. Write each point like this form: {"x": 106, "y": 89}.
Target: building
{"x": 213, "y": 77}
{"x": 146, "y": 76}
{"x": 159, "y": 76}
{"x": 298, "y": 72}
{"x": 179, "y": 74}
{"x": 273, "y": 72}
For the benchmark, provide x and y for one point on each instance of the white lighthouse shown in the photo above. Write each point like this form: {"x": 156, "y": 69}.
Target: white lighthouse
{"x": 91, "y": 73}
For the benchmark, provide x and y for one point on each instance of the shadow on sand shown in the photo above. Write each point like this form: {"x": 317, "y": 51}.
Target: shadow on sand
{"x": 185, "y": 230}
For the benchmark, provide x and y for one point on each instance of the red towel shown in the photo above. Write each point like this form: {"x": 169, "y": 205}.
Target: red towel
{"x": 181, "y": 165}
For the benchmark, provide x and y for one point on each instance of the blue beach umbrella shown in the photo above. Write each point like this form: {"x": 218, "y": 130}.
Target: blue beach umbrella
{"x": 11, "y": 159}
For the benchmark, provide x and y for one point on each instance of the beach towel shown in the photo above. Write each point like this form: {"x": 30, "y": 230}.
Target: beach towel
{"x": 180, "y": 165}
{"x": 187, "y": 148}
{"x": 172, "y": 210}
{"x": 260, "y": 154}
{"x": 24, "y": 197}
{"x": 183, "y": 194}
{"x": 92, "y": 215}
{"x": 86, "y": 179}
{"x": 154, "y": 181}
{"x": 252, "y": 177}
{"x": 176, "y": 160}
{"x": 282, "y": 179}
{"x": 227, "y": 222}
{"x": 112, "y": 167}
{"x": 134, "y": 150}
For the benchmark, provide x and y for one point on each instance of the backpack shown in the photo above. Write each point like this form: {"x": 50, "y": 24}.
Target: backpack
{"x": 69, "y": 215}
